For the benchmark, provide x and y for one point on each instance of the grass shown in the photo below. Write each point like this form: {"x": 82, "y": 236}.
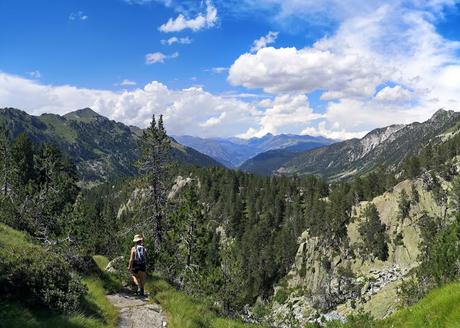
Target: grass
{"x": 440, "y": 308}
{"x": 96, "y": 311}
{"x": 187, "y": 312}
{"x": 59, "y": 125}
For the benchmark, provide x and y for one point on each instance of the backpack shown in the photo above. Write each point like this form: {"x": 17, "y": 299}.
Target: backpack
{"x": 140, "y": 256}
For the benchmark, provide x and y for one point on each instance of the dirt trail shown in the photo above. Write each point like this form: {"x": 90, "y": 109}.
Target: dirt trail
{"x": 137, "y": 312}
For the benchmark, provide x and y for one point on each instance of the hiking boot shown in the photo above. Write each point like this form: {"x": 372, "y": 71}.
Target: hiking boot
{"x": 141, "y": 292}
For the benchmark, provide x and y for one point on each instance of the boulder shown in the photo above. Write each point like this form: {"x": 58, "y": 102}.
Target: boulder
{"x": 116, "y": 264}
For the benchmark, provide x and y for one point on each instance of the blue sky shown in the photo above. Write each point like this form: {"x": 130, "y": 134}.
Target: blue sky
{"x": 234, "y": 68}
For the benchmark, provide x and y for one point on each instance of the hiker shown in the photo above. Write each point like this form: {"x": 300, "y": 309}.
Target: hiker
{"x": 137, "y": 263}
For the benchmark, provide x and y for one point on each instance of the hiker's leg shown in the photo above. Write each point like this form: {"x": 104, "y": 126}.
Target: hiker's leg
{"x": 141, "y": 279}
{"x": 135, "y": 280}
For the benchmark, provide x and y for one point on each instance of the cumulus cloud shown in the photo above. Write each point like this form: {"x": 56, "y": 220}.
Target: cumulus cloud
{"x": 283, "y": 114}
{"x": 159, "y": 57}
{"x": 263, "y": 41}
{"x": 398, "y": 45}
{"x": 174, "y": 39}
{"x": 78, "y": 16}
{"x": 394, "y": 94}
{"x": 335, "y": 132}
{"x": 214, "y": 120}
{"x": 191, "y": 111}
{"x": 289, "y": 69}
{"x": 203, "y": 20}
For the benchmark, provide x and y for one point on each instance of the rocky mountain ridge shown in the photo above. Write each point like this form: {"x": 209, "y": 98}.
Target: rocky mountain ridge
{"x": 386, "y": 146}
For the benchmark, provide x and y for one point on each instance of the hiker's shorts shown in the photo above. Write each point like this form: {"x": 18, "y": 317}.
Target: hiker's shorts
{"x": 138, "y": 268}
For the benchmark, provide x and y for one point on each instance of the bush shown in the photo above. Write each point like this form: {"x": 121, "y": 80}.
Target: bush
{"x": 411, "y": 291}
{"x": 36, "y": 275}
{"x": 281, "y": 296}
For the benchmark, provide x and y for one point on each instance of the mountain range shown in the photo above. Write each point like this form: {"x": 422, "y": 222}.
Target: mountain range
{"x": 302, "y": 155}
{"x": 234, "y": 152}
{"x": 101, "y": 148}
{"x": 104, "y": 149}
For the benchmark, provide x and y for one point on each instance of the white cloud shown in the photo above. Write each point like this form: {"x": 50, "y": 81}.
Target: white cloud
{"x": 394, "y": 94}
{"x": 191, "y": 111}
{"x": 203, "y": 20}
{"x": 321, "y": 13}
{"x": 78, "y": 16}
{"x": 398, "y": 44}
{"x": 174, "y": 39}
{"x": 306, "y": 70}
{"x": 159, "y": 57}
{"x": 334, "y": 133}
{"x": 35, "y": 74}
{"x": 127, "y": 82}
{"x": 282, "y": 115}
{"x": 214, "y": 120}
{"x": 219, "y": 70}
{"x": 263, "y": 41}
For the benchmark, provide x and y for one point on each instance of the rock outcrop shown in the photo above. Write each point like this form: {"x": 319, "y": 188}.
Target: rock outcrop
{"x": 327, "y": 284}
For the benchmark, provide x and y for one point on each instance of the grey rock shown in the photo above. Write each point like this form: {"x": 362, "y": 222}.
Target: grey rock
{"x": 137, "y": 312}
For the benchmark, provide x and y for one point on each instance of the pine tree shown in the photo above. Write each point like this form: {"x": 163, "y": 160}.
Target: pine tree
{"x": 374, "y": 234}
{"x": 455, "y": 195}
{"x": 404, "y": 205}
{"x": 154, "y": 164}
{"x": 23, "y": 156}
{"x": 6, "y": 162}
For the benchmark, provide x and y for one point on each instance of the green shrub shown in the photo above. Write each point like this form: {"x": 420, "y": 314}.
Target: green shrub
{"x": 411, "y": 291}
{"x": 35, "y": 275}
{"x": 281, "y": 295}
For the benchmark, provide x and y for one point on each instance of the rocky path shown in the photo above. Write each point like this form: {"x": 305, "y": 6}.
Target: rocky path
{"x": 136, "y": 312}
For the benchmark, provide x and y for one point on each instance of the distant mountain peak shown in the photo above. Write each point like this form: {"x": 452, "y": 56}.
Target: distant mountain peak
{"x": 441, "y": 114}
{"x": 83, "y": 114}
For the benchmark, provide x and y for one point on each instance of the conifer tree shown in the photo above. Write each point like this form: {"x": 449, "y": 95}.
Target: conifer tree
{"x": 6, "y": 161}
{"x": 455, "y": 195}
{"x": 404, "y": 205}
{"x": 374, "y": 234}
{"x": 154, "y": 164}
{"x": 23, "y": 156}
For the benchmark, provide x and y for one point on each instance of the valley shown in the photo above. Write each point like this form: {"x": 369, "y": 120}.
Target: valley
{"x": 277, "y": 250}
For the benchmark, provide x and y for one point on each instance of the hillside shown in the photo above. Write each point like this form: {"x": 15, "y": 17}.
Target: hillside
{"x": 440, "y": 308}
{"x": 385, "y": 146}
{"x": 268, "y": 162}
{"x": 234, "y": 152}
{"x": 101, "y": 148}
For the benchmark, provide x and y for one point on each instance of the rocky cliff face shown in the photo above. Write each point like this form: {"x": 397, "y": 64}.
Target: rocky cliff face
{"x": 332, "y": 284}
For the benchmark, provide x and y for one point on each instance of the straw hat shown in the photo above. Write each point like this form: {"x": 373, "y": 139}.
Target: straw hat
{"x": 137, "y": 238}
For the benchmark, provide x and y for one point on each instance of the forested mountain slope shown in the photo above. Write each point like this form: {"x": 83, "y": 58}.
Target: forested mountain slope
{"x": 101, "y": 148}
{"x": 268, "y": 162}
{"x": 385, "y": 146}
{"x": 300, "y": 249}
